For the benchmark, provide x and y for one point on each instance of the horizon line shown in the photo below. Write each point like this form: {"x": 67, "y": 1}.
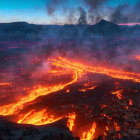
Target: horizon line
{"x": 61, "y": 24}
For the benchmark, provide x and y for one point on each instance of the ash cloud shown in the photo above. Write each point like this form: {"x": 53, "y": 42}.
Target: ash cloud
{"x": 126, "y": 13}
{"x": 95, "y": 11}
{"x": 52, "y": 6}
{"x": 94, "y": 4}
{"x": 118, "y": 15}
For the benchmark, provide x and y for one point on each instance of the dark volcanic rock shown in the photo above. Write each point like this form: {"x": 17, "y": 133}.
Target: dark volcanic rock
{"x": 54, "y": 131}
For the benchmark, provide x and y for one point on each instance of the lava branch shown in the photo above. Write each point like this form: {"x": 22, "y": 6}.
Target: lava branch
{"x": 14, "y": 108}
{"x": 82, "y": 69}
{"x": 42, "y": 117}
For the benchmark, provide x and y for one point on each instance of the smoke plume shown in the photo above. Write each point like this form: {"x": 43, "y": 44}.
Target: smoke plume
{"x": 95, "y": 11}
{"x": 82, "y": 19}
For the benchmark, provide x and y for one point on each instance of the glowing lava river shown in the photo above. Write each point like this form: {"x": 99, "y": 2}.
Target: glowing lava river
{"x": 90, "y": 97}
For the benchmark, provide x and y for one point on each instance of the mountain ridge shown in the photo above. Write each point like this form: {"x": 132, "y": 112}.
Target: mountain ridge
{"x": 24, "y": 30}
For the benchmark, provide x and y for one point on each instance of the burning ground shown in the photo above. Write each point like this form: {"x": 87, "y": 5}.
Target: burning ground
{"x": 92, "y": 84}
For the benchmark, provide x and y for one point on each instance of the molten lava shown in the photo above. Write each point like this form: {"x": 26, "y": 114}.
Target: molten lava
{"x": 118, "y": 94}
{"x": 59, "y": 67}
{"x": 42, "y": 117}
{"x": 89, "y": 135}
{"x": 83, "y": 69}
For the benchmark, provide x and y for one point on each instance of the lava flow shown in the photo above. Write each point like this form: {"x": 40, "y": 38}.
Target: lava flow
{"x": 82, "y": 69}
{"x": 26, "y": 110}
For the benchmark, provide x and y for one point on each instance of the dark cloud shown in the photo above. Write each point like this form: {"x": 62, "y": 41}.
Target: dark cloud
{"x": 135, "y": 15}
{"x": 126, "y": 13}
{"x": 96, "y": 10}
{"x": 118, "y": 15}
{"x": 52, "y": 6}
{"x": 93, "y": 4}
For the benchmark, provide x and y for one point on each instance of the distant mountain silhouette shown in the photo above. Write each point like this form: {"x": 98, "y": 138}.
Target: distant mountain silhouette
{"x": 23, "y": 30}
{"x": 104, "y": 23}
{"x": 105, "y": 28}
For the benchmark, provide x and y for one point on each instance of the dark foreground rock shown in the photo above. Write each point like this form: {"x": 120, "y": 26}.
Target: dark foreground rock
{"x": 55, "y": 131}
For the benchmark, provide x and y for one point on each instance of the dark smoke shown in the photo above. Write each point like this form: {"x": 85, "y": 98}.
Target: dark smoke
{"x": 93, "y": 14}
{"x": 96, "y": 10}
{"x": 118, "y": 15}
{"x": 126, "y": 13}
{"x": 83, "y": 17}
{"x": 94, "y": 4}
{"x": 52, "y": 6}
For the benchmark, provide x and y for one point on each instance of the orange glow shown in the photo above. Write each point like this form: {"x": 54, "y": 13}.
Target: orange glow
{"x": 35, "y": 93}
{"x": 86, "y": 84}
{"x": 106, "y": 116}
{"x": 106, "y": 129}
{"x": 130, "y": 102}
{"x": 5, "y": 84}
{"x": 116, "y": 126}
{"x": 103, "y": 106}
{"x": 118, "y": 94}
{"x": 83, "y": 69}
{"x": 67, "y": 90}
{"x": 137, "y": 57}
{"x": 42, "y": 117}
{"x": 126, "y": 107}
{"x": 38, "y": 118}
{"x": 89, "y": 135}
{"x": 85, "y": 89}
{"x": 71, "y": 120}
{"x": 129, "y": 24}
{"x": 60, "y": 67}
{"x": 78, "y": 70}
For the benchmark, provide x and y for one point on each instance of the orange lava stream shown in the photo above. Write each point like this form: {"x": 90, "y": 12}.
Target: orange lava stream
{"x": 14, "y": 108}
{"x": 78, "y": 70}
{"x": 71, "y": 120}
{"x": 42, "y": 118}
{"x": 82, "y": 69}
{"x": 89, "y": 135}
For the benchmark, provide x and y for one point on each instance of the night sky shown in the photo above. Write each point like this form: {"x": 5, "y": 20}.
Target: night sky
{"x": 69, "y": 11}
